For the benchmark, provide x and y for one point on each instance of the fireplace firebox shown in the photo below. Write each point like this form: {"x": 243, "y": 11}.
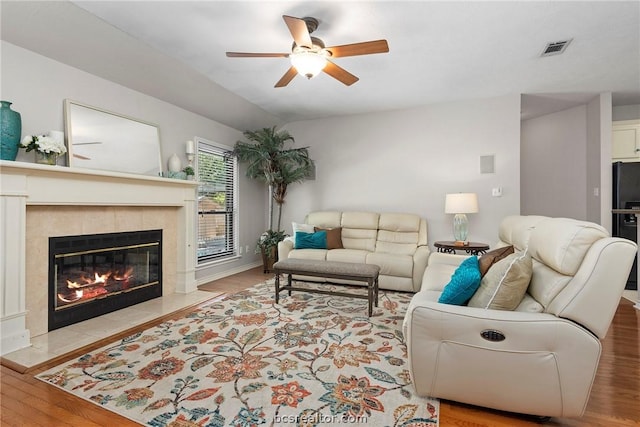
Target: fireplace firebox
{"x": 91, "y": 275}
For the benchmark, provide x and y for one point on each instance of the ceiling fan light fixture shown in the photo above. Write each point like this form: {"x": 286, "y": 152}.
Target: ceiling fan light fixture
{"x": 307, "y": 63}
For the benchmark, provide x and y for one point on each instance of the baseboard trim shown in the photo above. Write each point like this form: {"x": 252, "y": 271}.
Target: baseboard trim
{"x": 223, "y": 274}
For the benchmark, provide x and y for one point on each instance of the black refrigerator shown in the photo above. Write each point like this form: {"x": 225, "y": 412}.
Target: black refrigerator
{"x": 626, "y": 195}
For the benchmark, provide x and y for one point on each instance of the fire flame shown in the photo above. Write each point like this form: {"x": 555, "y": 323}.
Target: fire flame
{"x": 78, "y": 294}
{"x": 88, "y": 287}
{"x": 126, "y": 276}
{"x": 102, "y": 279}
{"x": 99, "y": 279}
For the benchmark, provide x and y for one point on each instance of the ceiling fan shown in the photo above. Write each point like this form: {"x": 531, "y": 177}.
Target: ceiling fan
{"x": 309, "y": 56}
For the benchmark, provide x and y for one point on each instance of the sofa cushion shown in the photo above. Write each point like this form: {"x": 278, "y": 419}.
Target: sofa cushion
{"x": 491, "y": 257}
{"x": 546, "y": 283}
{"x": 399, "y": 222}
{"x": 334, "y": 237}
{"x": 317, "y": 240}
{"x": 505, "y": 284}
{"x": 463, "y": 284}
{"x": 392, "y": 264}
{"x": 394, "y": 242}
{"x": 529, "y": 305}
{"x": 347, "y": 255}
{"x": 360, "y": 239}
{"x": 362, "y": 220}
{"x": 317, "y": 254}
{"x": 398, "y": 233}
{"x": 562, "y": 243}
{"x": 359, "y": 230}
{"x": 515, "y": 230}
{"x": 324, "y": 219}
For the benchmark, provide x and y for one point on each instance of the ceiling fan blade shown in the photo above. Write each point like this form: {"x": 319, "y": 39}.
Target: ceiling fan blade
{"x": 340, "y": 74}
{"x": 364, "y": 48}
{"x": 256, "y": 55}
{"x": 299, "y": 31}
{"x": 288, "y": 76}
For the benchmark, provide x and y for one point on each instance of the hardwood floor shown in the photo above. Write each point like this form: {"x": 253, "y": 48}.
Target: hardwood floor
{"x": 614, "y": 400}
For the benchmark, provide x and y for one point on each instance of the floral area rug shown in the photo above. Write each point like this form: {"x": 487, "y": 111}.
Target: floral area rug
{"x": 311, "y": 360}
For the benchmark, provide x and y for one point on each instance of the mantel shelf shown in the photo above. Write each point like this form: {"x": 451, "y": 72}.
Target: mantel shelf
{"x": 7, "y": 166}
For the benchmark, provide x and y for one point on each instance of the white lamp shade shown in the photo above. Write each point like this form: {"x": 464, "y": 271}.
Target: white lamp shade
{"x": 457, "y": 203}
{"x": 190, "y": 147}
{"x": 308, "y": 64}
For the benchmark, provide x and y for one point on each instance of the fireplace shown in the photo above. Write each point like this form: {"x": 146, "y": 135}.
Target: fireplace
{"x": 91, "y": 275}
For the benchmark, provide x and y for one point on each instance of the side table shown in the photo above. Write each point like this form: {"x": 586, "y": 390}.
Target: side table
{"x": 473, "y": 248}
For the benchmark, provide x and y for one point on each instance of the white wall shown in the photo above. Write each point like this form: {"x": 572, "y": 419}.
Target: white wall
{"x": 406, "y": 161}
{"x": 38, "y": 85}
{"x": 599, "y": 137}
{"x": 554, "y": 164}
{"x": 566, "y": 163}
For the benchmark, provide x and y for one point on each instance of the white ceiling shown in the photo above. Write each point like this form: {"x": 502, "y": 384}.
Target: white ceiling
{"x": 439, "y": 52}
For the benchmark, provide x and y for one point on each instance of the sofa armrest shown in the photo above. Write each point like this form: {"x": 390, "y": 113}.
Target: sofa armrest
{"x": 450, "y": 359}
{"x": 420, "y": 260}
{"x": 284, "y": 247}
{"x": 447, "y": 259}
{"x": 440, "y": 268}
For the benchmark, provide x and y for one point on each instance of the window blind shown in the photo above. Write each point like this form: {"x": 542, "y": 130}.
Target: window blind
{"x": 217, "y": 172}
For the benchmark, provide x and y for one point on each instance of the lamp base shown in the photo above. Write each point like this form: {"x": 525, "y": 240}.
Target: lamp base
{"x": 460, "y": 227}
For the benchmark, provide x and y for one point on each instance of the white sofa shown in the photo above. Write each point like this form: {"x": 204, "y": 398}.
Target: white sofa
{"x": 396, "y": 242}
{"x": 547, "y": 361}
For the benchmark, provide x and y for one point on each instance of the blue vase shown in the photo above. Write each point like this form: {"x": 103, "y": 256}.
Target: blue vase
{"x": 10, "y": 131}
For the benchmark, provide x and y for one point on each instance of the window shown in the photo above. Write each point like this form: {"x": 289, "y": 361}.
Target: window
{"x": 217, "y": 195}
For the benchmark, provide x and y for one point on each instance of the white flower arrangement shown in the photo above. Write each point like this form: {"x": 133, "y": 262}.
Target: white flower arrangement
{"x": 43, "y": 144}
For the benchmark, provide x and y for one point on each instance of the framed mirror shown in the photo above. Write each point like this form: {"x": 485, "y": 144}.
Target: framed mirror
{"x": 100, "y": 139}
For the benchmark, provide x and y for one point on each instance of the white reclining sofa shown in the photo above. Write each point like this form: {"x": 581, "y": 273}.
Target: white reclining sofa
{"x": 540, "y": 358}
{"x": 396, "y": 242}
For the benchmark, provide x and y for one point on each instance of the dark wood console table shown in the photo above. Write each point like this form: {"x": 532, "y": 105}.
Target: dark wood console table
{"x": 473, "y": 248}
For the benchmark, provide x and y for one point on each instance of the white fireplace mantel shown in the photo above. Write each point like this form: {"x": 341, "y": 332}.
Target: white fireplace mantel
{"x": 23, "y": 184}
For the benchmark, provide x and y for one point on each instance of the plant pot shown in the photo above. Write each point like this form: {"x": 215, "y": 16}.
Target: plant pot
{"x": 268, "y": 259}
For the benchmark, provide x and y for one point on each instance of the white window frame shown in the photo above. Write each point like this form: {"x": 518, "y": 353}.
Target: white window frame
{"x": 206, "y": 146}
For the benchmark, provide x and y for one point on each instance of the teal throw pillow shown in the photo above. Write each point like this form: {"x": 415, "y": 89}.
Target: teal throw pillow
{"x": 317, "y": 240}
{"x": 464, "y": 283}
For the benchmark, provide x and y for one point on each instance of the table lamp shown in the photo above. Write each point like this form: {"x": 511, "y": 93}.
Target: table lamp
{"x": 461, "y": 204}
{"x": 190, "y": 151}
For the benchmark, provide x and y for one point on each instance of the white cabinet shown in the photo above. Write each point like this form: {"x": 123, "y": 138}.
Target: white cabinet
{"x": 625, "y": 143}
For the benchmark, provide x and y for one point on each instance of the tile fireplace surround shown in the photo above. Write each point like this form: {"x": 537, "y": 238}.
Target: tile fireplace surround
{"x": 38, "y": 202}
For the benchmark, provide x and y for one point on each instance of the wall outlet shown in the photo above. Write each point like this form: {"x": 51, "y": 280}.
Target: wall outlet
{"x": 240, "y": 250}
{"x": 246, "y": 249}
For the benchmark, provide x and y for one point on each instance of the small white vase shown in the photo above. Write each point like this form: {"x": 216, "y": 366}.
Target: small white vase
{"x": 174, "y": 163}
{"x": 46, "y": 158}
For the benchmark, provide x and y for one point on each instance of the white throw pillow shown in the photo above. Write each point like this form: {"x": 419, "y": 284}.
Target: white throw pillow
{"x": 301, "y": 227}
{"x": 305, "y": 228}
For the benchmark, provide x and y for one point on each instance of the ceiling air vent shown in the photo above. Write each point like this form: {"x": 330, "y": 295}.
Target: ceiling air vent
{"x": 555, "y": 48}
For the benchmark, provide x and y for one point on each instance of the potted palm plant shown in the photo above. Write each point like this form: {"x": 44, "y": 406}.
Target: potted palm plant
{"x": 270, "y": 159}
